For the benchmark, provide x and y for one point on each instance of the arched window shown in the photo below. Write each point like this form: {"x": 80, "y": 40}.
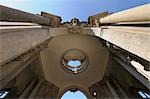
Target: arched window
{"x": 74, "y": 95}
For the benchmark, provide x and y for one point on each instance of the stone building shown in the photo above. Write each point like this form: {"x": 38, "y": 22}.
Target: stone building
{"x": 94, "y": 20}
{"x": 40, "y": 58}
{"x": 55, "y": 20}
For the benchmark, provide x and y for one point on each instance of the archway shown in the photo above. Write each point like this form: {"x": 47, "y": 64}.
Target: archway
{"x": 74, "y": 95}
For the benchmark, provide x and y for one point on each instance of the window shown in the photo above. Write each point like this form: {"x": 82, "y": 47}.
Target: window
{"x": 74, "y": 95}
{"x": 144, "y": 95}
{"x": 74, "y": 63}
{"x": 140, "y": 69}
{"x": 3, "y": 93}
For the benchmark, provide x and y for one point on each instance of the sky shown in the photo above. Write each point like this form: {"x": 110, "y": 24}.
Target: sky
{"x": 69, "y": 9}
{"x": 72, "y": 95}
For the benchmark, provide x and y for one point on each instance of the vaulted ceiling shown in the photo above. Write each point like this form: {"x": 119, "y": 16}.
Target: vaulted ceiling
{"x": 52, "y": 61}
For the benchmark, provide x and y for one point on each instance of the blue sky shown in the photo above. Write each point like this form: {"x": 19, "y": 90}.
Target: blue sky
{"x": 71, "y": 95}
{"x": 69, "y": 9}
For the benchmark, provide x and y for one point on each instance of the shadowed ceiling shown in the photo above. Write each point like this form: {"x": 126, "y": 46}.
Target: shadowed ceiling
{"x": 52, "y": 61}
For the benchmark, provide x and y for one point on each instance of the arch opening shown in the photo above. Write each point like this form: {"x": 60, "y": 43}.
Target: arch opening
{"x": 74, "y": 63}
{"x": 74, "y": 95}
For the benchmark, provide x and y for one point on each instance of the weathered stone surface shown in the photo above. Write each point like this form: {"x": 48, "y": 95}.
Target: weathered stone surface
{"x": 13, "y": 15}
{"x": 15, "y": 43}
